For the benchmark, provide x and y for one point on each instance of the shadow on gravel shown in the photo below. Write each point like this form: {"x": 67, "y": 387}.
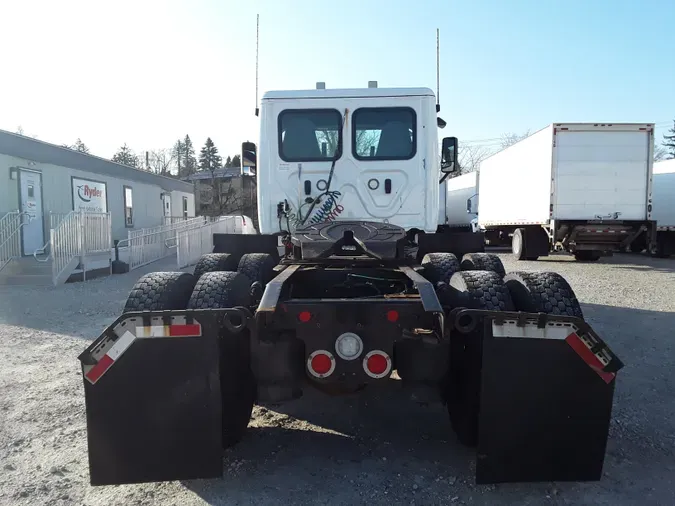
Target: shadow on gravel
{"x": 324, "y": 449}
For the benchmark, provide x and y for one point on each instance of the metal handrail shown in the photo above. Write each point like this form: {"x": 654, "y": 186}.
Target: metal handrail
{"x": 53, "y": 225}
{"x": 12, "y": 219}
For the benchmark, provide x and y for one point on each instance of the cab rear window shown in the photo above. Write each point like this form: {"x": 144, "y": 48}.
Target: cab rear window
{"x": 384, "y": 133}
{"x": 309, "y": 134}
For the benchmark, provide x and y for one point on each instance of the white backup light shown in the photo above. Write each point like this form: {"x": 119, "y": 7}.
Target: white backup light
{"x": 348, "y": 346}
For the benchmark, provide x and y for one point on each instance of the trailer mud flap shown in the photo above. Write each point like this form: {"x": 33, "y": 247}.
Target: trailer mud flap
{"x": 547, "y": 387}
{"x": 153, "y": 402}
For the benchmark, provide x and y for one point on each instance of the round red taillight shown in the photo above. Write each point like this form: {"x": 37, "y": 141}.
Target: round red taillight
{"x": 321, "y": 363}
{"x": 305, "y": 316}
{"x": 392, "y": 315}
{"x": 377, "y": 364}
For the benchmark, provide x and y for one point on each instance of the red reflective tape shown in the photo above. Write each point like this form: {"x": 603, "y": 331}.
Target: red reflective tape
{"x": 589, "y": 357}
{"x": 99, "y": 369}
{"x": 192, "y": 330}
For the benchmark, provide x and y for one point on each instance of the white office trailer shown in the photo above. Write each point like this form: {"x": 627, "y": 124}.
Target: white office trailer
{"x": 43, "y": 179}
{"x": 585, "y": 188}
{"x": 664, "y": 207}
{"x": 42, "y": 184}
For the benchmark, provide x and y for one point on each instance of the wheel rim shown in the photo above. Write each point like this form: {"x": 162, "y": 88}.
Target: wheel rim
{"x": 516, "y": 244}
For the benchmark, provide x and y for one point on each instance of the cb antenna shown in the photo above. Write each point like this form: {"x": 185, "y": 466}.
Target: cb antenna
{"x": 438, "y": 72}
{"x": 257, "y": 32}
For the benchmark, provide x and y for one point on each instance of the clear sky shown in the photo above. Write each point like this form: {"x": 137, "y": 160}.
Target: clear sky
{"x": 147, "y": 72}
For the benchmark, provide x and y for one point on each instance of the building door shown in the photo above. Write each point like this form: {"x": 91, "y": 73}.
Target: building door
{"x": 32, "y": 233}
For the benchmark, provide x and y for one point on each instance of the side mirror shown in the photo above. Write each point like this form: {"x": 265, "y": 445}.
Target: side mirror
{"x": 249, "y": 158}
{"x": 449, "y": 154}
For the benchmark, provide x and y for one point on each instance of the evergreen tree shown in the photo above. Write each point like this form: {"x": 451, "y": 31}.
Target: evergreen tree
{"x": 669, "y": 141}
{"x": 236, "y": 162}
{"x": 80, "y": 146}
{"x": 125, "y": 156}
{"x": 209, "y": 159}
{"x": 189, "y": 160}
{"x": 178, "y": 155}
{"x": 228, "y": 162}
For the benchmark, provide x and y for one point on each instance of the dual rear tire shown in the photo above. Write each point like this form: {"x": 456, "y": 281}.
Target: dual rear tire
{"x": 212, "y": 288}
{"x": 473, "y": 288}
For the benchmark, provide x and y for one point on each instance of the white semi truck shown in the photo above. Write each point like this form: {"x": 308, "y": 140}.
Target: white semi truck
{"x": 461, "y": 203}
{"x": 584, "y": 188}
{"x": 365, "y": 285}
{"x": 664, "y": 208}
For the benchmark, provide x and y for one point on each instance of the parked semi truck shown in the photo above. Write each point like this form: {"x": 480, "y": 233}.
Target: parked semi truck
{"x": 663, "y": 212}
{"x": 364, "y": 285}
{"x": 584, "y": 188}
{"x": 461, "y": 203}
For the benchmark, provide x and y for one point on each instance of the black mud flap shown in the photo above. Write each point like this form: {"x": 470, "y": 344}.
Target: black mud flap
{"x": 152, "y": 394}
{"x": 547, "y": 387}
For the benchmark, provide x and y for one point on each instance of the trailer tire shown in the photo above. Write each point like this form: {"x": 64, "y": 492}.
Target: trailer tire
{"x": 480, "y": 290}
{"x": 160, "y": 291}
{"x": 257, "y": 267}
{"x": 586, "y": 256}
{"x": 215, "y": 262}
{"x": 542, "y": 292}
{"x": 216, "y": 290}
{"x": 483, "y": 262}
{"x": 440, "y": 266}
{"x": 664, "y": 246}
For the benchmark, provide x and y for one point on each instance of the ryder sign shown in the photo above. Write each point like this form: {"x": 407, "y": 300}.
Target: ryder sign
{"x": 89, "y": 196}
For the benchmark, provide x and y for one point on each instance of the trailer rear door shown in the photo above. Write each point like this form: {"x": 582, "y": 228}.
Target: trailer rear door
{"x": 602, "y": 172}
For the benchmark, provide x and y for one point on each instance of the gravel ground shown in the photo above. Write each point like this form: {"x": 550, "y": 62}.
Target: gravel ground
{"x": 339, "y": 450}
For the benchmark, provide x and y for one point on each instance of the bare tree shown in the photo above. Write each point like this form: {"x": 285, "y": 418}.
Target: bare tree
{"x": 660, "y": 154}
{"x": 511, "y": 138}
{"x": 470, "y": 157}
{"x": 160, "y": 162}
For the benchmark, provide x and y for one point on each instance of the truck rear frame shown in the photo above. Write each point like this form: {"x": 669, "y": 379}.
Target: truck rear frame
{"x": 168, "y": 387}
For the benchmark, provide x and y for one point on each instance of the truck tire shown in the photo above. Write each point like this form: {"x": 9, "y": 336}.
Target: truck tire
{"x": 215, "y": 262}
{"x": 440, "y": 266}
{"x": 238, "y": 388}
{"x": 257, "y": 267}
{"x": 542, "y": 292}
{"x": 483, "y": 262}
{"x": 160, "y": 291}
{"x": 215, "y": 290}
{"x": 481, "y": 290}
{"x": 586, "y": 256}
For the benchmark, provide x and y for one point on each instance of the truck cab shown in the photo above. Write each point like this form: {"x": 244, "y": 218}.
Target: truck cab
{"x": 348, "y": 154}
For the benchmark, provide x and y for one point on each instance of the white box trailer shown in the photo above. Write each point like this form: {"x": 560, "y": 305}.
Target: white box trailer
{"x": 461, "y": 202}
{"x": 664, "y": 208}
{"x": 585, "y": 188}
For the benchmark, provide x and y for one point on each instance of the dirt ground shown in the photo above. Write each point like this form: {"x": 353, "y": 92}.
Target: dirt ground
{"x": 346, "y": 450}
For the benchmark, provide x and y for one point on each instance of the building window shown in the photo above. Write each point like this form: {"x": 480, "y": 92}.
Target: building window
{"x": 307, "y": 135}
{"x": 128, "y": 207}
{"x": 384, "y": 133}
{"x": 185, "y": 207}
